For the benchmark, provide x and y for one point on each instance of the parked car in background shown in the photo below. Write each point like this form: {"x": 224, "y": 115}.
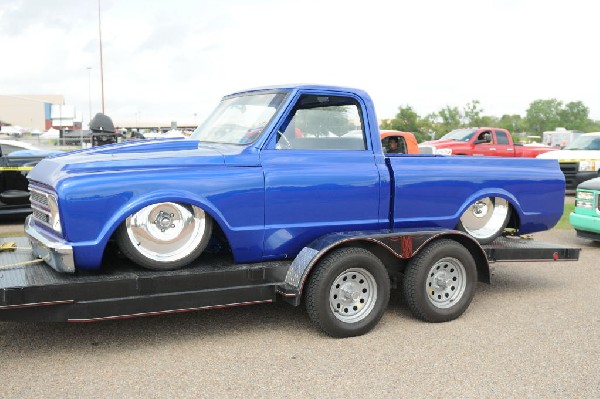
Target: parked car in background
{"x": 16, "y": 160}
{"x": 489, "y": 141}
{"x": 585, "y": 218}
{"x": 579, "y": 161}
{"x": 407, "y": 142}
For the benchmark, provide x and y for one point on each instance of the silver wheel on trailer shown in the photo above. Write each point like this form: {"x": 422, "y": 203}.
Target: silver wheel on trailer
{"x": 486, "y": 219}
{"x": 165, "y": 236}
{"x": 353, "y": 295}
{"x": 446, "y": 282}
{"x": 439, "y": 282}
{"x": 347, "y": 292}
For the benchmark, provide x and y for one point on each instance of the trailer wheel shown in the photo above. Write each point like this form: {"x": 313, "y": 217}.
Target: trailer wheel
{"x": 164, "y": 236}
{"x": 347, "y": 292}
{"x": 486, "y": 219}
{"x": 439, "y": 282}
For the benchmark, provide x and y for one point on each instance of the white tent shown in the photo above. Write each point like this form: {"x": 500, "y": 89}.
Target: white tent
{"x": 50, "y": 134}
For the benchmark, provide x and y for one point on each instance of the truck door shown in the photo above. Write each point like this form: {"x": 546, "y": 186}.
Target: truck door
{"x": 320, "y": 174}
{"x": 484, "y": 144}
{"x": 504, "y": 148}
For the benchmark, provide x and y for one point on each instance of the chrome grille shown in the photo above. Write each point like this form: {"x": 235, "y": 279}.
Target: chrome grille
{"x": 41, "y": 216}
{"x": 570, "y": 169}
{"x": 38, "y": 197}
{"x": 39, "y": 204}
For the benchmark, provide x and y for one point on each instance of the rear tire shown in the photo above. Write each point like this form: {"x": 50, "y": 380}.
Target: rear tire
{"x": 439, "y": 282}
{"x": 347, "y": 292}
{"x": 486, "y": 219}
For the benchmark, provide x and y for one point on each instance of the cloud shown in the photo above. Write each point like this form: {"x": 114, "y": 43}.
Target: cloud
{"x": 172, "y": 60}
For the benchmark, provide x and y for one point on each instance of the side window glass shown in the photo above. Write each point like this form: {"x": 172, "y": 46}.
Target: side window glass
{"x": 7, "y": 149}
{"x": 484, "y": 137}
{"x": 501, "y": 137}
{"x": 394, "y": 145}
{"x": 323, "y": 123}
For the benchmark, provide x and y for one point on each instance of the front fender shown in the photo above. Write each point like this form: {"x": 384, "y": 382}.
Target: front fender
{"x": 184, "y": 197}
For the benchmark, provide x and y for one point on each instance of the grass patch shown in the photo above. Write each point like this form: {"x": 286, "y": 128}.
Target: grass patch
{"x": 563, "y": 223}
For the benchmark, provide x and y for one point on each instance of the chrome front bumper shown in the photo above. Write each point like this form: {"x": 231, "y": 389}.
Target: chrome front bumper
{"x": 56, "y": 253}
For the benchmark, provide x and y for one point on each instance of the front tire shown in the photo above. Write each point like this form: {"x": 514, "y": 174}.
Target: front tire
{"x": 164, "y": 236}
{"x": 347, "y": 292}
{"x": 439, "y": 282}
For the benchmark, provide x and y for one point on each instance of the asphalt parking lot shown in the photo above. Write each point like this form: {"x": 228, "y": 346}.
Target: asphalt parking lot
{"x": 535, "y": 332}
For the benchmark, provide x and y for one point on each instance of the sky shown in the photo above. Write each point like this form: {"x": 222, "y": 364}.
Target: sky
{"x": 174, "y": 60}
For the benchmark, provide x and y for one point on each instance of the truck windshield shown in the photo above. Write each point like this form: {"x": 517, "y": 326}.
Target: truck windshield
{"x": 459, "y": 135}
{"x": 239, "y": 119}
{"x": 584, "y": 142}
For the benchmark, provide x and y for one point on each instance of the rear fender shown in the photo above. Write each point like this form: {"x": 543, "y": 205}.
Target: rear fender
{"x": 490, "y": 193}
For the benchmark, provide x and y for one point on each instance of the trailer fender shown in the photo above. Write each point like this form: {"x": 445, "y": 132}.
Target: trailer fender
{"x": 403, "y": 244}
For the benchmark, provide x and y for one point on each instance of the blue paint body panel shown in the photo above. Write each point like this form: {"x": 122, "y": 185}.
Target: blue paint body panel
{"x": 270, "y": 203}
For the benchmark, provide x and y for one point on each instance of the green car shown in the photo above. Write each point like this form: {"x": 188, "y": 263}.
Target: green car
{"x": 586, "y": 216}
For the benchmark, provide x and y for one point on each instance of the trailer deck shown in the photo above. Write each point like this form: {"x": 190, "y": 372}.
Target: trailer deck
{"x": 35, "y": 292}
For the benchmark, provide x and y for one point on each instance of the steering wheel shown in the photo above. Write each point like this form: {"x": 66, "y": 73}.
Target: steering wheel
{"x": 286, "y": 143}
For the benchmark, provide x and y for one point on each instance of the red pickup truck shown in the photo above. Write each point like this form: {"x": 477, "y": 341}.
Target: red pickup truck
{"x": 488, "y": 141}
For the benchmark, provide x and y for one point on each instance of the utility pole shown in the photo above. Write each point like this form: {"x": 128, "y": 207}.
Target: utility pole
{"x": 101, "y": 63}
{"x": 90, "y": 93}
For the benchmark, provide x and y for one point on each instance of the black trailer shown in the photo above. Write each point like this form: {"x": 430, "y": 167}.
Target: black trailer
{"x": 344, "y": 279}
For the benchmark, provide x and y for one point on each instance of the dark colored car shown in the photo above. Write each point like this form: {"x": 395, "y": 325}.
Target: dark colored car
{"x": 16, "y": 160}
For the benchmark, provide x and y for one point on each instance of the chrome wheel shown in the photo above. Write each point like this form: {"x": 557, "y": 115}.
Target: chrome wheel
{"x": 166, "y": 235}
{"x": 485, "y": 219}
{"x": 353, "y": 295}
{"x": 445, "y": 283}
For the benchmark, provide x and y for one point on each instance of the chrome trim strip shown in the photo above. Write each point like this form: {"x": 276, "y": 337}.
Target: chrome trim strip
{"x": 54, "y": 252}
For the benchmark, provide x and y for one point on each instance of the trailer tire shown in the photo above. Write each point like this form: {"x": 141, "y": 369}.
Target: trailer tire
{"x": 164, "y": 236}
{"x": 347, "y": 292}
{"x": 439, "y": 282}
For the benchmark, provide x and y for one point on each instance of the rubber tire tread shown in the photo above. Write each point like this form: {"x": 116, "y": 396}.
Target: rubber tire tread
{"x": 319, "y": 284}
{"x": 129, "y": 250}
{"x": 415, "y": 275}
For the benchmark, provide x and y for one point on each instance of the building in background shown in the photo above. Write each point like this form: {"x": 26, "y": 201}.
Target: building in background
{"x": 38, "y": 112}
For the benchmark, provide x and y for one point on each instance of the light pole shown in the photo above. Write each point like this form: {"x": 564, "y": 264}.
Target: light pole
{"x": 101, "y": 63}
{"x": 90, "y": 93}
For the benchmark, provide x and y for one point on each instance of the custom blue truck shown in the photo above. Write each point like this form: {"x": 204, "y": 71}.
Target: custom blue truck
{"x": 284, "y": 192}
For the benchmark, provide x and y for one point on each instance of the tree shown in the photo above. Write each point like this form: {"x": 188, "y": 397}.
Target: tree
{"x": 405, "y": 120}
{"x": 450, "y": 117}
{"x": 574, "y": 116}
{"x": 472, "y": 114}
{"x": 544, "y": 115}
{"x": 513, "y": 123}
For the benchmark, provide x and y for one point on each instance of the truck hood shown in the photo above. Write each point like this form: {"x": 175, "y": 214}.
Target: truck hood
{"x": 564, "y": 155}
{"x": 146, "y": 154}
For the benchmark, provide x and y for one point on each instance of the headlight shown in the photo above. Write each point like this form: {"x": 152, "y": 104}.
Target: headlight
{"x": 54, "y": 214}
{"x": 444, "y": 151}
{"x": 585, "y": 195}
{"x": 583, "y": 204}
{"x": 587, "y": 166}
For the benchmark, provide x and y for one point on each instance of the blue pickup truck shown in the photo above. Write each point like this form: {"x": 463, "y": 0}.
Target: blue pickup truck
{"x": 270, "y": 171}
{"x": 292, "y": 176}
